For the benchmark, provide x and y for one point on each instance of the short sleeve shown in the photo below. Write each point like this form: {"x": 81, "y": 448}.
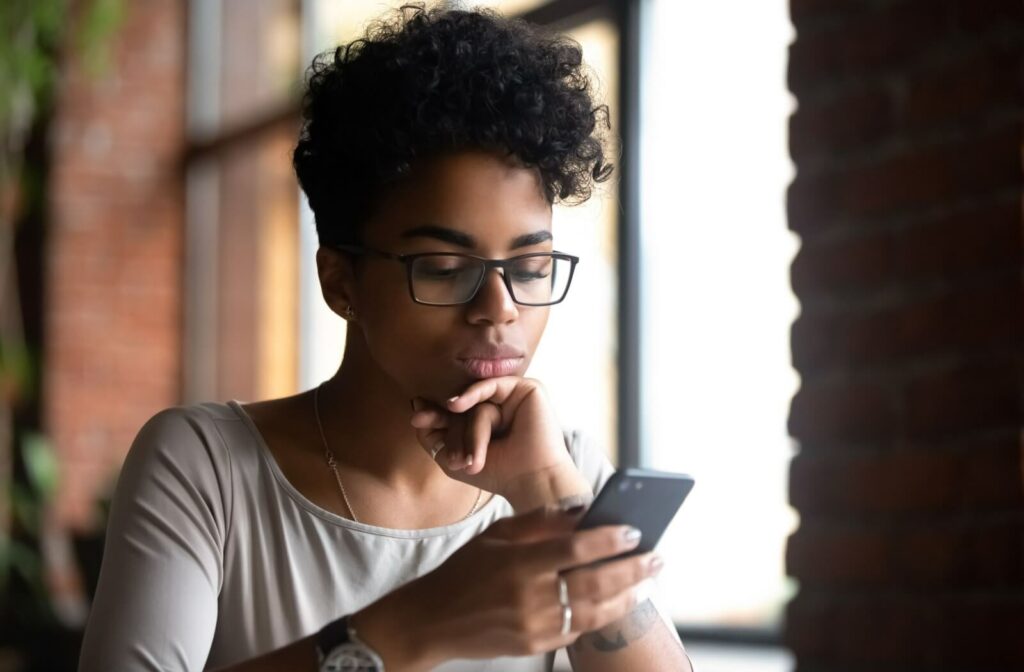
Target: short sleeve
{"x": 596, "y": 468}
{"x": 156, "y": 601}
{"x": 590, "y": 459}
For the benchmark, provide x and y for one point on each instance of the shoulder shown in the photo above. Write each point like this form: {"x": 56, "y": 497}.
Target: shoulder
{"x": 183, "y": 428}
{"x": 183, "y": 443}
{"x": 589, "y": 456}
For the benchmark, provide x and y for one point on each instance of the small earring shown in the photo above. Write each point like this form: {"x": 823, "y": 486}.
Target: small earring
{"x": 349, "y": 312}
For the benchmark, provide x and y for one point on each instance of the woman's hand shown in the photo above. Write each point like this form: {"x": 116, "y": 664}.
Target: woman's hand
{"x": 496, "y": 433}
{"x": 499, "y": 595}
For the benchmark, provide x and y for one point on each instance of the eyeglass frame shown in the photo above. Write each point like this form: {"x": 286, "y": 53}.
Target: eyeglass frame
{"x": 409, "y": 259}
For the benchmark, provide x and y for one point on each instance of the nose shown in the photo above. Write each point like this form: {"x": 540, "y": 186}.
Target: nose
{"x": 492, "y": 304}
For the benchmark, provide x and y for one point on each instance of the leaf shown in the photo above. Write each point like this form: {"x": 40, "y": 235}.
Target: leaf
{"x": 24, "y": 507}
{"x": 99, "y": 23}
{"x": 25, "y": 561}
{"x": 40, "y": 464}
{"x": 16, "y": 365}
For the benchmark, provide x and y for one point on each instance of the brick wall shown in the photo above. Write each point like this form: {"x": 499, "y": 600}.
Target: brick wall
{"x": 908, "y": 200}
{"x": 113, "y": 282}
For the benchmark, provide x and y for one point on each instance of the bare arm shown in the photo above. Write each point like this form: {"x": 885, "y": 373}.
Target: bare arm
{"x": 640, "y": 641}
{"x": 384, "y": 625}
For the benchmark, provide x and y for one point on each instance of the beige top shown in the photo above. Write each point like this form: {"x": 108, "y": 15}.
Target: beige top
{"x": 213, "y": 557}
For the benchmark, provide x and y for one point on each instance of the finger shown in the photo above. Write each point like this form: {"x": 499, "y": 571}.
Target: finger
{"x": 590, "y": 616}
{"x": 432, "y": 441}
{"x": 481, "y": 424}
{"x": 432, "y": 419}
{"x": 582, "y": 547}
{"x": 498, "y": 390}
{"x": 596, "y": 584}
{"x": 454, "y": 451}
{"x": 544, "y": 522}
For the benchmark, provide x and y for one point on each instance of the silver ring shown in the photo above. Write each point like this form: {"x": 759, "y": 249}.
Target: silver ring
{"x": 437, "y": 449}
{"x": 563, "y": 599}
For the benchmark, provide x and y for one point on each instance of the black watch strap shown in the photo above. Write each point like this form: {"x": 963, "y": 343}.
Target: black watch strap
{"x": 339, "y": 649}
{"x": 331, "y": 635}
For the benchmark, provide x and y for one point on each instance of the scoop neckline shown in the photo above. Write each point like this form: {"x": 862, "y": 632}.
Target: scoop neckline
{"x": 335, "y": 519}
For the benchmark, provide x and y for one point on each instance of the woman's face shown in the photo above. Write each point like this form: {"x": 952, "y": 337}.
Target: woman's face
{"x": 474, "y": 203}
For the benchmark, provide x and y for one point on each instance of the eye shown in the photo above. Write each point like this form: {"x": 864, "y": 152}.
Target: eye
{"x": 525, "y": 276}
{"x": 441, "y": 268}
{"x": 531, "y": 268}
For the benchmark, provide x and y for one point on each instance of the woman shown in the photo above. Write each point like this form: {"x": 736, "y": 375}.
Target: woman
{"x": 417, "y": 510}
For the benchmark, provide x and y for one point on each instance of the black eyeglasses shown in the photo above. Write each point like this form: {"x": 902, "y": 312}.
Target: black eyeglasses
{"x": 451, "y": 279}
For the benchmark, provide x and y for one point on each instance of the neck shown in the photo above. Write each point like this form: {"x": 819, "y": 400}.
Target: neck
{"x": 365, "y": 417}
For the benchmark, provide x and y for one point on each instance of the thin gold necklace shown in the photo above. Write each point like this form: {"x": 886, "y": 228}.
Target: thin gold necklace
{"x": 333, "y": 464}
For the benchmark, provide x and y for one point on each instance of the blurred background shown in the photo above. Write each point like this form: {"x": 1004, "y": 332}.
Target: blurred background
{"x": 803, "y": 288}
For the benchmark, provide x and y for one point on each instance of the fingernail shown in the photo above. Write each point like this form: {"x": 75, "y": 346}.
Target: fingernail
{"x": 574, "y": 510}
{"x": 631, "y": 536}
{"x": 469, "y": 460}
{"x": 452, "y": 400}
{"x": 655, "y": 564}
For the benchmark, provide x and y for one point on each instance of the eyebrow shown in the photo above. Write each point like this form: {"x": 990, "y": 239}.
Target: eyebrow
{"x": 467, "y": 241}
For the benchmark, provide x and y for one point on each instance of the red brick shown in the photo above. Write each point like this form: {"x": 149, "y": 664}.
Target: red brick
{"x": 801, "y": 10}
{"x": 838, "y": 555}
{"x": 114, "y": 271}
{"x": 966, "y": 554}
{"x": 936, "y": 175}
{"x": 944, "y": 174}
{"x": 970, "y": 396}
{"x": 988, "y": 237}
{"x": 979, "y": 474}
{"x": 842, "y": 410}
{"x": 908, "y": 554}
{"x": 983, "y": 239}
{"x": 984, "y": 79}
{"x": 824, "y": 266}
{"x": 866, "y": 44}
{"x": 975, "y": 16}
{"x": 837, "y": 124}
{"x": 981, "y": 317}
{"x": 913, "y": 630}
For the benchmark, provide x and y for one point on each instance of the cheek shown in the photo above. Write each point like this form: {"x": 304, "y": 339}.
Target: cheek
{"x": 412, "y": 345}
{"x": 415, "y": 345}
{"x": 533, "y": 321}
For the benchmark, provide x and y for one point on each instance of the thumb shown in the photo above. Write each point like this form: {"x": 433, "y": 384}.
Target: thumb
{"x": 541, "y": 523}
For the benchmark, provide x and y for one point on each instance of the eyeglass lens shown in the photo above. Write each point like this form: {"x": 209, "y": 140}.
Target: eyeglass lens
{"x": 452, "y": 279}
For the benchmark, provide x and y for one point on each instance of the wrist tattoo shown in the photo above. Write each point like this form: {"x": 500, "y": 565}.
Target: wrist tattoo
{"x": 618, "y": 635}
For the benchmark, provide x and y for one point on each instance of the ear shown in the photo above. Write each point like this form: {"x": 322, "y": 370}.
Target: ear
{"x": 337, "y": 280}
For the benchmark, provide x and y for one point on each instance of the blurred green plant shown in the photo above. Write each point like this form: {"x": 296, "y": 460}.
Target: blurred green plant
{"x": 28, "y": 500}
{"x": 35, "y": 38}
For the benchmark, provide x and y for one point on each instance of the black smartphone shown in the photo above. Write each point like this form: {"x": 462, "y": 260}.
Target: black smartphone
{"x": 646, "y": 499}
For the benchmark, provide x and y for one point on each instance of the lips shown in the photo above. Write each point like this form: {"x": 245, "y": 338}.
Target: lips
{"x": 491, "y": 360}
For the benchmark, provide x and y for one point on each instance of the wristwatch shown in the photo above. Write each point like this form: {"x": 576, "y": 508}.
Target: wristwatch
{"x": 340, "y": 650}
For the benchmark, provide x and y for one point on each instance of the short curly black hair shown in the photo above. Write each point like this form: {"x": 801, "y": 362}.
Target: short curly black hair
{"x": 423, "y": 82}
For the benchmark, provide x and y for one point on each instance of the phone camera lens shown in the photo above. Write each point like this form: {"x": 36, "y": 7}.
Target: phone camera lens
{"x": 623, "y": 486}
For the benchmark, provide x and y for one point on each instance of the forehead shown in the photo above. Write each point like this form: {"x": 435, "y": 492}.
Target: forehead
{"x": 477, "y": 193}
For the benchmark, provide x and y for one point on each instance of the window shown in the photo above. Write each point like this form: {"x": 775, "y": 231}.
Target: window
{"x": 717, "y": 304}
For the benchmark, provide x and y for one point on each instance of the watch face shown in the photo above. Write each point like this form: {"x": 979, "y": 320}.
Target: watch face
{"x": 349, "y": 658}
